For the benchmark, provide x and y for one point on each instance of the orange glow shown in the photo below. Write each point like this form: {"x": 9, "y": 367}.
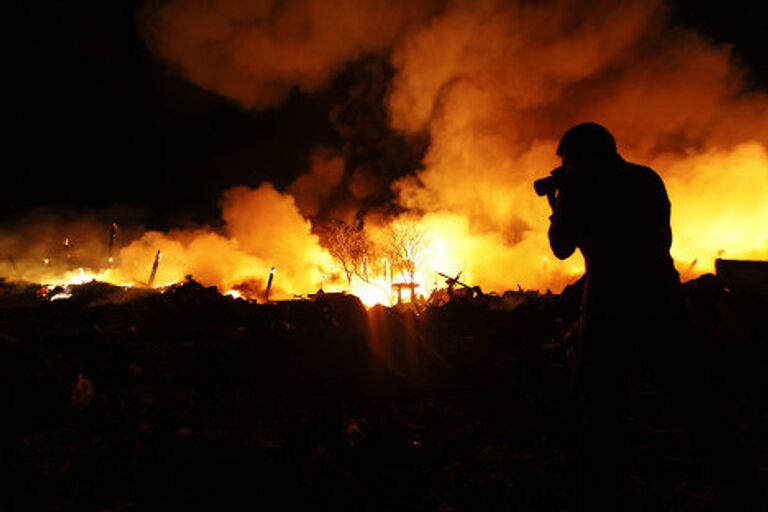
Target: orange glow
{"x": 234, "y": 294}
{"x": 720, "y": 206}
{"x": 719, "y": 210}
{"x": 493, "y": 85}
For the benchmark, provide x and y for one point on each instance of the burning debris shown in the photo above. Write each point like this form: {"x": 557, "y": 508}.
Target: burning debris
{"x": 492, "y": 86}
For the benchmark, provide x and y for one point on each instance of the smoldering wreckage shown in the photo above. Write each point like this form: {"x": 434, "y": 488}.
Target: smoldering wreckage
{"x": 120, "y": 399}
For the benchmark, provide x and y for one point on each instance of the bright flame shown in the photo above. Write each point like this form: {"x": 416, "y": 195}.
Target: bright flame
{"x": 66, "y": 294}
{"x": 720, "y": 205}
{"x": 719, "y": 208}
{"x": 79, "y": 276}
{"x": 494, "y": 84}
{"x": 371, "y": 294}
{"x": 234, "y": 294}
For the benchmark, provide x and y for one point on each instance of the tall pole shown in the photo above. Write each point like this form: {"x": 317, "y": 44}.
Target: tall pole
{"x": 112, "y": 236}
{"x": 269, "y": 283}
{"x": 154, "y": 269}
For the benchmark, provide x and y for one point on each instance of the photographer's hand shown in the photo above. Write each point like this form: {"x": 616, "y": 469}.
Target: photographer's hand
{"x": 552, "y": 198}
{"x": 564, "y": 221}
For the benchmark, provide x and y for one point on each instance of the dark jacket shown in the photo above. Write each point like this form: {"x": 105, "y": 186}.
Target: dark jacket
{"x": 619, "y": 218}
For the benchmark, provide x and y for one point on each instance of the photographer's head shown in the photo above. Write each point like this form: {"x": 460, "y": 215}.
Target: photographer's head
{"x": 586, "y": 147}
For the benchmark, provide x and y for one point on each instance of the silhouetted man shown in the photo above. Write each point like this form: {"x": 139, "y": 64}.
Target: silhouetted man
{"x": 634, "y": 314}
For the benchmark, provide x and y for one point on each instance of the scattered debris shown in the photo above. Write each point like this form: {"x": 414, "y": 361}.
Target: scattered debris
{"x": 123, "y": 399}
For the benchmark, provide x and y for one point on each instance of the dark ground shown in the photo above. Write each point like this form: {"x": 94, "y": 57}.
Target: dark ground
{"x": 120, "y": 400}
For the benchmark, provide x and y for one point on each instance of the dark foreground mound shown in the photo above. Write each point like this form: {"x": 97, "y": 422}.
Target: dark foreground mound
{"x": 118, "y": 400}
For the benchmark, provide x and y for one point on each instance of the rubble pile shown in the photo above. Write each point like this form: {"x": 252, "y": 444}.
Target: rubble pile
{"x": 119, "y": 399}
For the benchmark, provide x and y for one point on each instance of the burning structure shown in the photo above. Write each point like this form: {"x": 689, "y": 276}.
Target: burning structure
{"x": 492, "y": 85}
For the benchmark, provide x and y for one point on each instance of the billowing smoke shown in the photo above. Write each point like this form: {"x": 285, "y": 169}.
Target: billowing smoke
{"x": 263, "y": 229}
{"x": 313, "y": 188}
{"x": 493, "y": 84}
{"x": 256, "y": 51}
{"x": 497, "y": 83}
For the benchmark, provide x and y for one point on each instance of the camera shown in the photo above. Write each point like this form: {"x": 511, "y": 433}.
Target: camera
{"x": 550, "y": 184}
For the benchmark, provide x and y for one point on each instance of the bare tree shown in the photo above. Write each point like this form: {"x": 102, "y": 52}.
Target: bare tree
{"x": 407, "y": 248}
{"x": 349, "y": 245}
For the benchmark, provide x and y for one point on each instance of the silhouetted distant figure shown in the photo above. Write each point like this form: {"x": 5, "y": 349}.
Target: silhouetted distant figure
{"x": 634, "y": 315}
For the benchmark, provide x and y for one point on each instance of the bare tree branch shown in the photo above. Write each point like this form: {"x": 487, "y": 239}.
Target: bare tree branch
{"x": 349, "y": 245}
{"x": 407, "y": 248}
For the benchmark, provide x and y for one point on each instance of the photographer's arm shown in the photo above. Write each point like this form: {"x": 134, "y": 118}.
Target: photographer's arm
{"x": 563, "y": 231}
{"x": 552, "y": 199}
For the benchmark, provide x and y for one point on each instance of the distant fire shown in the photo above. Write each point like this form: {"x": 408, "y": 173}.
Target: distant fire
{"x": 408, "y": 256}
{"x": 493, "y": 85}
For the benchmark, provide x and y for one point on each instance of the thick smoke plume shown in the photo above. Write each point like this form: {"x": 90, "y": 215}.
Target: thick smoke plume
{"x": 313, "y": 188}
{"x": 256, "y": 51}
{"x": 494, "y": 84}
{"x": 263, "y": 229}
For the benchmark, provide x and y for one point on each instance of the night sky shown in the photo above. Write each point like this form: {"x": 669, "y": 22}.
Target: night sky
{"x": 99, "y": 125}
